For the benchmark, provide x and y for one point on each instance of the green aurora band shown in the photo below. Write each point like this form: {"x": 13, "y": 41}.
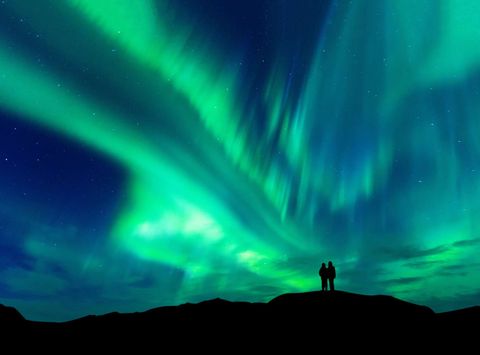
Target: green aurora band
{"x": 373, "y": 164}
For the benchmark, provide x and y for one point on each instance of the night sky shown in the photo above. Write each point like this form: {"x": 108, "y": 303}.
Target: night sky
{"x": 157, "y": 152}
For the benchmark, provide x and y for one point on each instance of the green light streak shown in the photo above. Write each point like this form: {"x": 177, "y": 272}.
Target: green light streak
{"x": 380, "y": 147}
{"x": 182, "y": 58}
{"x": 141, "y": 228}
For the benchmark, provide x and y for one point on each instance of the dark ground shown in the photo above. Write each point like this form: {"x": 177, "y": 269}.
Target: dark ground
{"x": 315, "y": 321}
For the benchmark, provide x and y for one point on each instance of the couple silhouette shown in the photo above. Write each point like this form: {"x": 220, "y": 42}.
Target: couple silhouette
{"x": 327, "y": 273}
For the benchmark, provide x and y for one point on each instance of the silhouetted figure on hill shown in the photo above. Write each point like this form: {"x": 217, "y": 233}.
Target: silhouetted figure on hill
{"x": 323, "y": 275}
{"x": 331, "y": 274}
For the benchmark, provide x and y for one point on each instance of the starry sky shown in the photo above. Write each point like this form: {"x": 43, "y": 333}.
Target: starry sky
{"x": 157, "y": 152}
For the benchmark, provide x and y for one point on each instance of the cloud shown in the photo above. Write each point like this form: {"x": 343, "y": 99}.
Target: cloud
{"x": 467, "y": 243}
{"x": 401, "y": 281}
{"x": 394, "y": 253}
{"x": 459, "y": 269}
{"x": 422, "y": 264}
{"x": 440, "y": 268}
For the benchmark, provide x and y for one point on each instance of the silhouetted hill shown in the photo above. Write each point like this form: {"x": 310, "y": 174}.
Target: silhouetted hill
{"x": 335, "y": 305}
{"x": 10, "y": 315}
{"x": 341, "y": 319}
{"x": 461, "y": 316}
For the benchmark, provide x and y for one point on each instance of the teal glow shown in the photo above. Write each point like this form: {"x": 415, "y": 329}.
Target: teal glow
{"x": 243, "y": 174}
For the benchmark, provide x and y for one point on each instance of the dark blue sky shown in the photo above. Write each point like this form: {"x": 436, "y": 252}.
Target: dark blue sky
{"x": 161, "y": 152}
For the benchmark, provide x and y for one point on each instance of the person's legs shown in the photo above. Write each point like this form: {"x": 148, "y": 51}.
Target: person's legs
{"x": 332, "y": 287}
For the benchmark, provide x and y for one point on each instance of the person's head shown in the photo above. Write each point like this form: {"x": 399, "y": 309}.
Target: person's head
{"x": 330, "y": 263}
{"x": 323, "y": 264}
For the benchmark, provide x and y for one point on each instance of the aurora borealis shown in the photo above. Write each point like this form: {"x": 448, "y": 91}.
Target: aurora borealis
{"x": 157, "y": 152}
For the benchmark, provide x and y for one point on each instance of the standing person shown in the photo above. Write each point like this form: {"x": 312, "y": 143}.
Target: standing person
{"x": 323, "y": 275}
{"x": 331, "y": 274}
